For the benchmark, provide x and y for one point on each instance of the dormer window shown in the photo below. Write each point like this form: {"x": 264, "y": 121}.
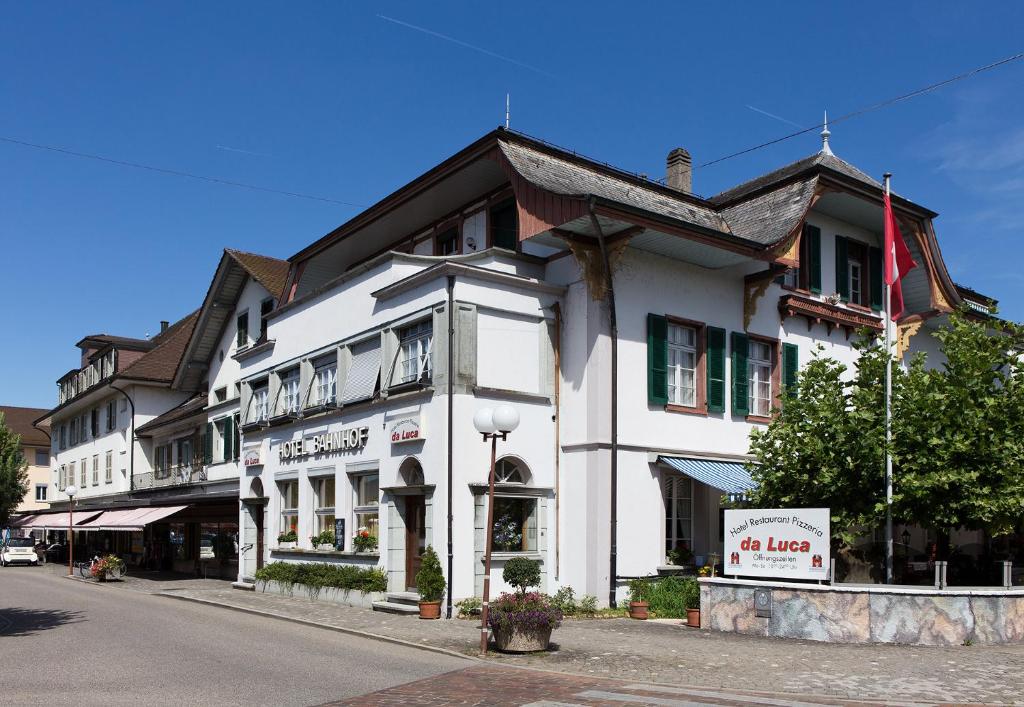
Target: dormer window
{"x": 243, "y": 329}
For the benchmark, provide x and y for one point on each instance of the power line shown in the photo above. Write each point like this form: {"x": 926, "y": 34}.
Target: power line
{"x": 868, "y": 109}
{"x": 176, "y": 173}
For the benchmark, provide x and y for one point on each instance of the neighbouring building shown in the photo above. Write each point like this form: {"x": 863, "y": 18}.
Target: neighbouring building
{"x": 35, "y": 448}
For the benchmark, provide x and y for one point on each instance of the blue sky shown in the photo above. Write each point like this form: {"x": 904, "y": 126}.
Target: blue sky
{"x": 336, "y": 100}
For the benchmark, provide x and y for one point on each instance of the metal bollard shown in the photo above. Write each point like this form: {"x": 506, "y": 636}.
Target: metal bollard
{"x": 1007, "y": 574}
{"x": 940, "y": 574}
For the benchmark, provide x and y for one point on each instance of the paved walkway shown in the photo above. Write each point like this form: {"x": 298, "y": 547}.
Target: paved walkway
{"x": 669, "y": 653}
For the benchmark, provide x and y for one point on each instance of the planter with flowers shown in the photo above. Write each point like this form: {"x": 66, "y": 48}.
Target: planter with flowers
{"x": 323, "y": 542}
{"x": 638, "y": 606}
{"x": 108, "y": 568}
{"x": 681, "y": 555}
{"x": 288, "y": 541}
{"x": 522, "y": 621}
{"x": 362, "y": 541}
{"x": 430, "y": 584}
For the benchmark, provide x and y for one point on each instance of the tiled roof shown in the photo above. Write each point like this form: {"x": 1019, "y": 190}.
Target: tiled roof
{"x": 771, "y": 216}
{"x": 161, "y": 363}
{"x": 192, "y": 406}
{"x": 820, "y": 160}
{"x": 561, "y": 175}
{"x": 122, "y": 341}
{"x": 272, "y": 273}
{"x": 20, "y": 421}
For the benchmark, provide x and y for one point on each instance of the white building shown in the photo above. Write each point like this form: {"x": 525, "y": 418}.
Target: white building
{"x": 484, "y": 281}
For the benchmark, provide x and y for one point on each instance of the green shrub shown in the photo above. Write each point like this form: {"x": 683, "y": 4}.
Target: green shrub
{"x": 639, "y": 589}
{"x": 317, "y": 575}
{"x": 672, "y": 596}
{"x": 290, "y": 537}
{"x": 588, "y": 605}
{"x": 565, "y": 601}
{"x": 324, "y": 538}
{"x": 469, "y": 606}
{"x": 522, "y": 573}
{"x": 430, "y": 579}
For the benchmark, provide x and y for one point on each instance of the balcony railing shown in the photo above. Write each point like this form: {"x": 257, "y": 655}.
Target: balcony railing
{"x": 77, "y": 382}
{"x": 180, "y": 475}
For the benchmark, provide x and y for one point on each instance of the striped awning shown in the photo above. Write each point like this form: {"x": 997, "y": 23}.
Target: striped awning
{"x": 728, "y": 477}
{"x": 362, "y": 373}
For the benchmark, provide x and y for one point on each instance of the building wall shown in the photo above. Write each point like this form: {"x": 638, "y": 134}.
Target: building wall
{"x": 38, "y": 475}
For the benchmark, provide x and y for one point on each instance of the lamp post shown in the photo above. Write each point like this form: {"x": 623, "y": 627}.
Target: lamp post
{"x": 71, "y": 491}
{"x": 492, "y": 424}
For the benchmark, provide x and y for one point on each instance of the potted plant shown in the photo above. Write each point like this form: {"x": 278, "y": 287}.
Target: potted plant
{"x": 288, "y": 541}
{"x": 107, "y": 568}
{"x": 323, "y": 541}
{"x": 362, "y": 541}
{"x": 522, "y": 621}
{"x": 638, "y": 605}
{"x": 691, "y": 595}
{"x": 430, "y": 584}
{"x": 681, "y": 555}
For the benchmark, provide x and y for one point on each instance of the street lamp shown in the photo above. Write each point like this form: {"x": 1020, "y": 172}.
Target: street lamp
{"x": 71, "y": 491}
{"x": 492, "y": 424}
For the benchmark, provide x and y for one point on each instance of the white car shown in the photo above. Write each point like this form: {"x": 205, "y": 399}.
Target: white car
{"x": 19, "y": 550}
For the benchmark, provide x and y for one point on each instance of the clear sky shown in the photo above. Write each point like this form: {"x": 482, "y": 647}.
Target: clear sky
{"x": 350, "y": 100}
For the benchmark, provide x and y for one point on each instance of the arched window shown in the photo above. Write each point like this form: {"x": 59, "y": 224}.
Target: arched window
{"x": 256, "y": 488}
{"x": 510, "y": 471}
{"x": 411, "y": 472}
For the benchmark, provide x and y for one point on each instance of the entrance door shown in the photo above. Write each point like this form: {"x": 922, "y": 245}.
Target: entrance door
{"x": 415, "y": 537}
{"x": 258, "y": 517}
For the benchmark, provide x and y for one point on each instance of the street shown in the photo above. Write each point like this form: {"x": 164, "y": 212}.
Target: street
{"x": 66, "y": 643}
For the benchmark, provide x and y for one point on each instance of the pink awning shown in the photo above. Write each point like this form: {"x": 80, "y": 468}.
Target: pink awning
{"x": 131, "y": 518}
{"x": 59, "y": 520}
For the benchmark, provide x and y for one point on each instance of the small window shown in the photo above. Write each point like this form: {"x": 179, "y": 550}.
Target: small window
{"x": 111, "y": 416}
{"x": 759, "y": 366}
{"x": 109, "y": 472}
{"x": 74, "y": 432}
{"x": 41, "y": 492}
{"x": 290, "y": 391}
{"x": 323, "y": 504}
{"x": 63, "y": 436}
{"x": 289, "y": 506}
{"x": 266, "y": 307}
{"x": 515, "y": 524}
{"x": 95, "y": 469}
{"x": 415, "y": 359}
{"x": 220, "y": 394}
{"x": 83, "y": 473}
{"x": 258, "y": 407}
{"x": 367, "y": 506}
{"x": 325, "y": 381}
{"x": 243, "y": 329}
{"x": 508, "y": 471}
{"x": 447, "y": 242}
{"x": 94, "y": 422}
{"x": 504, "y": 225}
{"x": 682, "y": 365}
{"x": 42, "y": 457}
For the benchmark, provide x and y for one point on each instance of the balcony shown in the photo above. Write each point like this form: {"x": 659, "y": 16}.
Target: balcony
{"x": 179, "y": 475}
{"x": 77, "y": 382}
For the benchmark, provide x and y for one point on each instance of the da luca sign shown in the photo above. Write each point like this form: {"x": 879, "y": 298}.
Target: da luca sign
{"x": 777, "y": 542}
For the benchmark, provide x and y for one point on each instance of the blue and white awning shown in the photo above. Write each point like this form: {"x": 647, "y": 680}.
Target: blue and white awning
{"x": 728, "y": 477}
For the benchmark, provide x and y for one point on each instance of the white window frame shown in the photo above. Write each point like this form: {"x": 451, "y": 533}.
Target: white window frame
{"x": 260, "y": 403}
{"x": 322, "y": 512}
{"x": 325, "y": 382}
{"x": 677, "y": 488}
{"x": 415, "y": 344}
{"x": 288, "y": 511}
{"x": 759, "y": 373}
{"x": 43, "y": 488}
{"x": 370, "y": 508}
{"x": 678, "y": 350}
{"x": 855, "y": 282}
{"x": 290, "y": 391}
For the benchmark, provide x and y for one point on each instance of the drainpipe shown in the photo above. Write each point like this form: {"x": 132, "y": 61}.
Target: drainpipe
{"x": 558, "y": 474}
{"x": 614, "y": 331}
{"x": 451, "y": 445}
{"x": 131, "y": 453}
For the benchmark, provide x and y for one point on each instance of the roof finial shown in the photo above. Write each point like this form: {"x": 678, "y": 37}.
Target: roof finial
{"x": 824, "y": 136}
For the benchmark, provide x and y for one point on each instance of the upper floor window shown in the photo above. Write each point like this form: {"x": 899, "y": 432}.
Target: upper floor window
{"x": 64, "y": 436}
{"x": 290, "y": 391}
{"x": 41, "y": 492}
{"x": 109, "y": 473}
{"x": 243, "y": 329}
{"x": 509, "y": 471}
{"x": 95, "y": 469}
{"x": 859, "y": 273}
{"x": 42, "y": 457}
{"x": 94, "y": 422}
{"x": 759, "y": 367}
{"x": 266, "y": 307}
{"x": 111, "y": 416}
{"x": 415, "y": 343}
{"x": 504, "y": 225}
{"x": 682, "y": 365}
{"x": 325, "y": 381}
{"x": 74, "y": 432}
{"x": 260, "y": 411}
{"x": 447, "y": 242}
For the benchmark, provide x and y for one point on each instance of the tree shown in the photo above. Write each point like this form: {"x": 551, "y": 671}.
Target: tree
{"x": 13, "y": 472}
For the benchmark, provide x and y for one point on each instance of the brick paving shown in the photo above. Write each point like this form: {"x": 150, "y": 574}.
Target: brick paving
{"x": 668, "y": 653}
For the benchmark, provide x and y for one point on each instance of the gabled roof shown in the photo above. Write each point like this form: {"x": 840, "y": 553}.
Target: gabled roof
{"x": 160, "y": 364}
{"x": 272, "y": 273}
{"x": 817, "y": 162}
{"x": 20, "y": 420}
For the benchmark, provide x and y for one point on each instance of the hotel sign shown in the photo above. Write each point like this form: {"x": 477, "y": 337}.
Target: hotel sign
{"x": 789, "y": 543}
{"x": 326, "y": 443}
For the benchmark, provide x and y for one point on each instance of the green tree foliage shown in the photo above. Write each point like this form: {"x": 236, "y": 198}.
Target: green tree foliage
{"x": 430, "y": 579}
{"x": 522, "y": 573}
{"x": 958, "y": 436}
{"x": 13, "y": 472}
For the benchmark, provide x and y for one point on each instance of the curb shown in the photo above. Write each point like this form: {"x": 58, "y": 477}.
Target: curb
{"x": 339, "y": 629}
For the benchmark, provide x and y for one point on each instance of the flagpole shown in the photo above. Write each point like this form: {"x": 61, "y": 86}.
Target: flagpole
{"x": 888, "y": 417}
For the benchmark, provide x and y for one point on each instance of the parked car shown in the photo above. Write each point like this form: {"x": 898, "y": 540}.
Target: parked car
{"x": 57, "y": 552}
{"x": 19, "y": 550}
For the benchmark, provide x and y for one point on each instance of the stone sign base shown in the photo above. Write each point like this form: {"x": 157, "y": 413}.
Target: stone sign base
{"x": 865, "y": 613}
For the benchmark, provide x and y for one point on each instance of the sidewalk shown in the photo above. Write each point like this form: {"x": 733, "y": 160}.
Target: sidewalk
{"x": 667, "y": 652}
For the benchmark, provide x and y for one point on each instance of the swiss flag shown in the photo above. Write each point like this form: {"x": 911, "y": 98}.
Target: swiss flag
{"x": 897, "y": 261}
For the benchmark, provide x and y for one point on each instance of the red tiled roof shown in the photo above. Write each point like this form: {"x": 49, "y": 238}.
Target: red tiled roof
{"x": 20, "y": 421}
{"x": 272, "y": 273}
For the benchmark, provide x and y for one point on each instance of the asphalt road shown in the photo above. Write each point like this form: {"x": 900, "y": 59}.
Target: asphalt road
{"x": 67, "y": 643}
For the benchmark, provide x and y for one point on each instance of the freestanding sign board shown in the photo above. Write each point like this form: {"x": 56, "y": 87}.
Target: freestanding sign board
{"x": 783, "y": 543}
{"x": 339, "y": 534}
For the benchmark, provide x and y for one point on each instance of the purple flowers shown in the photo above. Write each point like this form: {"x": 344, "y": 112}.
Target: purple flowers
{"x": 529, "y": 611}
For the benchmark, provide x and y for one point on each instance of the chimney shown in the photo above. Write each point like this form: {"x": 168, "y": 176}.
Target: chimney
{"x": 163, "y": 325}
{"x": 679, "y": 171}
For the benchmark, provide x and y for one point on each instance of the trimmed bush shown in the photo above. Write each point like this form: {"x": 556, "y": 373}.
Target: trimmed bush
{"x": 430, "y": 579}
{"x": 522, "y": 573}
{"x": 669, "y": 598}
{"x": 318, "y": 575}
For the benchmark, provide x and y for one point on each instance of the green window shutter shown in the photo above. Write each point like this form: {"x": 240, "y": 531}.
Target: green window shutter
{"x": 715, "y": 366}
{"x": 657, "y": 360}
{"x": 790, "y": 368}
{"x": 813, "y": 236}
{"x": 842, "y": 270}
{"x": 229, "y": 438}
{"x": 236, "y": 442}
{"x": 740, "y": 380}
{"x": 876, "y": 276}
{"x": 208, "y": 447}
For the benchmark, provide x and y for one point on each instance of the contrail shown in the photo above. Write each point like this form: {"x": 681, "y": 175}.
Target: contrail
{"x": 244, "y": 152}
{"x": 772, "y": 115}
{"x": 475, "y": 48}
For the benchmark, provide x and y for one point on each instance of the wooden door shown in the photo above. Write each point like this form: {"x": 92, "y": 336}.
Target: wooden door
{"x": 415, "y": 537}
{"x": 257, "y": 512}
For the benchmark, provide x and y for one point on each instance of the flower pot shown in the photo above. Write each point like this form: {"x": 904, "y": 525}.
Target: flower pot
{"x": 325, "y": 547}
{"x": 693, "y": 618}
{"x": 287, "y": 546}
{"x": 522, "y": 640}
{"x": 101, "y": 577}
{"x": 638, "y": 610}
{"x": 430, "y": 609}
